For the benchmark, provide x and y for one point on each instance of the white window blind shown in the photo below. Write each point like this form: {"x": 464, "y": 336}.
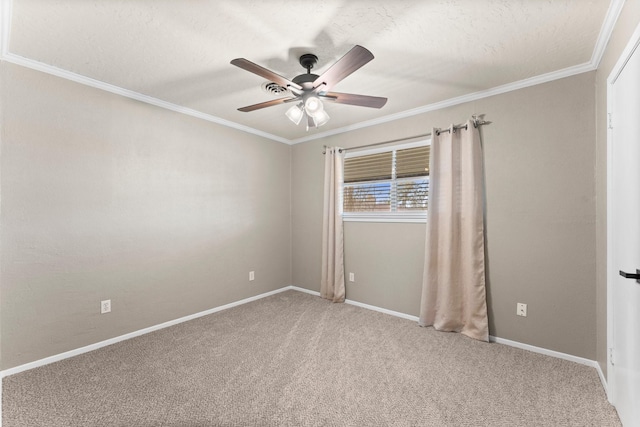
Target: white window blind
{"x": 388, "y": 185}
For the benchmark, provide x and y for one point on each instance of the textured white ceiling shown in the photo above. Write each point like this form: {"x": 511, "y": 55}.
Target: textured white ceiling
{"x": 425, "y": 51}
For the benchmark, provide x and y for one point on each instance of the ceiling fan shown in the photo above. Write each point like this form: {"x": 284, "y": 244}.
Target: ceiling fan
{"x": 309, "y": 90}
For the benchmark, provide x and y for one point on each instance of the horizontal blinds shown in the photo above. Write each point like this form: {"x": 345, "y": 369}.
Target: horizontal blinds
{"x": 374, "y": 167}
{"x": 372, "y": 183}
{"x": 412, "y": 162}
{"x": 367, "y": 197}
{"x": 412, "y": 195}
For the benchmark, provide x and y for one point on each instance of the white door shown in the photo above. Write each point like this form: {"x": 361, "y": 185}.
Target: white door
{"x": 624, "y": 217}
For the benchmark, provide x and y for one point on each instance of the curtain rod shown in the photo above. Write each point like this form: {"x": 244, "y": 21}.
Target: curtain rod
{"x": 477, "y": 121}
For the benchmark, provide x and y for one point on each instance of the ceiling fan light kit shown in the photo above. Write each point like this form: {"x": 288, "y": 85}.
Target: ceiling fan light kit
{"x": 295, "y": 113}
{"x": 310, "y": 89}
{"x": 320, "y": 118}
{"x": 313, "y": 105}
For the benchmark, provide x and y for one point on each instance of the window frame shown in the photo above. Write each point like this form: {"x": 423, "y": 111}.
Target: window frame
{"x": 409, "y": 216}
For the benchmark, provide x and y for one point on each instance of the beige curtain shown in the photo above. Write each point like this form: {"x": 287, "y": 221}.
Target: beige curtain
{"x": 453, "y": 293}
{"x": 332, "y": 284}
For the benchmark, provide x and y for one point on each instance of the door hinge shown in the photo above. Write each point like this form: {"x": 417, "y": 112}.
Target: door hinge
{"x": 611, "y": 360}
{"x": 610, "y": 121}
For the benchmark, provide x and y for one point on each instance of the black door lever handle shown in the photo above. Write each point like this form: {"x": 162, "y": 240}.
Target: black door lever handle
{"x": 631, "y": 275}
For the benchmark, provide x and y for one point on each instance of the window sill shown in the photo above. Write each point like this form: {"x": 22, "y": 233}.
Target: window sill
{"x": 385, "y": 217}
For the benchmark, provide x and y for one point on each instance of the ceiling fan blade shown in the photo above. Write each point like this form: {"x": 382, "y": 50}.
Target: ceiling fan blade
{"x": 350, "y": 62}
{"x": 352, "y": 99}
{"x": 254, "y": 68}
{"x": 265, "y": 104}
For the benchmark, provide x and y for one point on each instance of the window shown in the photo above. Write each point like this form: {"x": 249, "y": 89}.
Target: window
{"x": 388, "y": 184}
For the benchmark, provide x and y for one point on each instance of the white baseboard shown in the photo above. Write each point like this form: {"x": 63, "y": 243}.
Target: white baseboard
{"x": 544, "y": 351}
{"x": 383, "y": 310}
{"x": 81, "y": 350}
{"x": 305, "y": 290}
{"x": 497, "y": 340}
{"x": 557, "y": 354}
{"x": 603, "y": 380}
{"x": 91, "y": 347}
{"x": 547, "y": 352}
{"x": 360, "y": 304}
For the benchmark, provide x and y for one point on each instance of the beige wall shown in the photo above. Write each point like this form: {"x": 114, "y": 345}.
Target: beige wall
{"x": 627, "y": 22}
{"x": 108, "y": 198}
{"x": 539, "y": 160}
{"x": 104, "y": 197}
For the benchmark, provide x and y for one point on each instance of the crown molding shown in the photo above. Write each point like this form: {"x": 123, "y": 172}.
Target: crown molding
{"x": 533, "y": 81}
{"x": 613, "y": 13}
{"x": 88, "y": 81}
{"x": 6, "y": 55}
{"x": 615, "y": 8}
{"x": 5, "y": 25}
{"x": 78, "y": 78}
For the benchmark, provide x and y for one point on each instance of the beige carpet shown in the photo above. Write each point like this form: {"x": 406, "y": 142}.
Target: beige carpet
{"x": 293, "y": 359}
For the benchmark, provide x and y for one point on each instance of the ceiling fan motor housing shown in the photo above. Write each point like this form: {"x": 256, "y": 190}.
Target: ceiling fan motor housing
{"x": 305, "y": 78}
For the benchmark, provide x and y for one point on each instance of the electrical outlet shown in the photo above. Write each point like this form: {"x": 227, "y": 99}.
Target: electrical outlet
{"x": 252, "y": 276}
{"x": 521, "y": 309}
{"x": 352, "y": 277}
{"x": 105, "y": 306}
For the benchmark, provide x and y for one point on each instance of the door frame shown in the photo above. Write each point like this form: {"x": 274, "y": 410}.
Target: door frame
{"x": 632, "y": 45}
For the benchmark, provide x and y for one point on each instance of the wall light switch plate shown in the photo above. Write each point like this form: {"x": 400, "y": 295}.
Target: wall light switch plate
{"x": 352, "y": 277}
{"x": 252, "y": 276}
